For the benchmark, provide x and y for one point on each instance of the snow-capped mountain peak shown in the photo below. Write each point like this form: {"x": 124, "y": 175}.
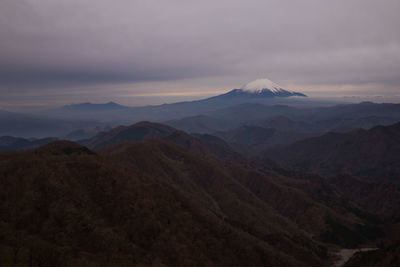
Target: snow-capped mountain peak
{"x": 257, "y": 89}
{"x": 257, "y": 86}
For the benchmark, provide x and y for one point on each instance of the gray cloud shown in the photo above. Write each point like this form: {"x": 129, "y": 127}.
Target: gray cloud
{"x": 65, "y": 43}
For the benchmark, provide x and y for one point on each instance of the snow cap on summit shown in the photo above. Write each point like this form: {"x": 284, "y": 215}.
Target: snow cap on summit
{"x": 257, "y": 86}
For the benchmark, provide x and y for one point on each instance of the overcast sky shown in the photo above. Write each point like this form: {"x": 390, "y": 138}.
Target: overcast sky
{"x": 134, "y": 51}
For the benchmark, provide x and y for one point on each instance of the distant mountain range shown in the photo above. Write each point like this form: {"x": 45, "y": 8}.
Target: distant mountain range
{"x": 40, "y": 126}
{"x": 87, "y": 133}
{"x": 373, "y": 154}
{"x": 250, "y": 140}
{"x": 118, "y": 114}
{"x": 339, "y": 118}
{"x": 9, "y": 143}
{"x": 90, "y": 107}
{"x": 260, "y": 103}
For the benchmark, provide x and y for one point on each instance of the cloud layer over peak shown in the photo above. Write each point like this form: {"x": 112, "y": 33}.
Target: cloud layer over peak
{"x": 67, "y": 43}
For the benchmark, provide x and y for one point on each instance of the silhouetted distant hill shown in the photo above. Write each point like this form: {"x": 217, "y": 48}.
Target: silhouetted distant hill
{"x": 251, "y": 140}
{"x": 26, "y": 126}
{"x": 224, "y": 119}
{"x": 133, "y": 133}
{"x": 112, "y": 113}
{"x": 203, "y": 116}
{"x": 81, "y": 134}
{"x": 9, "y": 143}
{"x": 339, "y": 118}
{"x": 200, "y": 124}
{"x": 373, "y": 153}
{"x": 93, "y": 107}
{"x": 202, "y": 144}
{"x": 248, "y": 135}
{"x": 285, "y": 124}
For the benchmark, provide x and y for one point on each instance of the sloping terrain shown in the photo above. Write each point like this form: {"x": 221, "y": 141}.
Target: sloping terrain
{"x": 179, "y": 200}
{"x": 136, "y": 132}
{"x": 373, "y": 154}
{"x": 9, "y": 143}
{"x": 324, "y": 216}
{"x": 199, "y": 124}
{"x": 251, "y": 140}
{"x": 202, "y": 144}
{"x": 70, "y": 206}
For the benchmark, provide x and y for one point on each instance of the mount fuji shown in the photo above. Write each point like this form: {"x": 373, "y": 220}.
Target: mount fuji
{"x": 261, "y": 88}
{"x": 89, "y": 115}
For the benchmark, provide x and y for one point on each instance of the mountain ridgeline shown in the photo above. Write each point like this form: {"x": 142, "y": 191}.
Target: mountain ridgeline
{"x": 260, "y": 103}
{"x": 59, "y": 122}
{"x": 149, "y": 194}
{"x": 259, "y": 176}
{"x": 372, "y": 154}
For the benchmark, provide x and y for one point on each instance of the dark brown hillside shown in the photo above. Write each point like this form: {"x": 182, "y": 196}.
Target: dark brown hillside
{"x": 133, "y": 133}
{"x": 289, "y": 202}
{"x": 159, "y": 203}
{"x": 248, "y": 135}
{"x": 317, "y": 216}
{"x": 316, "y": 206}
{"x": 284, "y": 124}
{"x": 199, "y": 124}
{"x": 373, "y": 154}
{"x": 380, "y": 198}
{"x": 206, "y": 180}
{"x": 63, "y": 205}
{"x": 250, "y": 140}
{"x": 345, "y": 191}
{"x": 201, "y": 144}
{"x": 204, "y": 145}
